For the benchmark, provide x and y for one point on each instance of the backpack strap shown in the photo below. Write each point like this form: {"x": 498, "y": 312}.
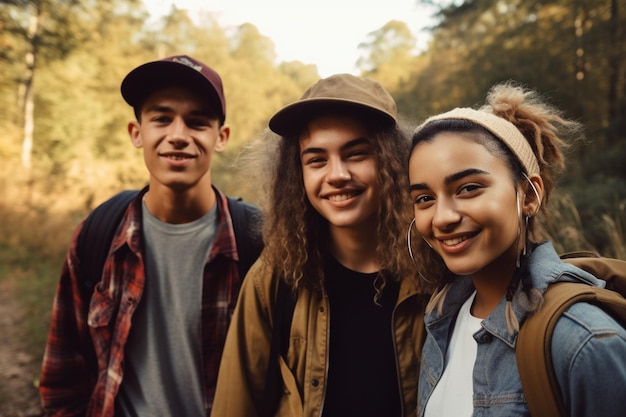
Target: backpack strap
{"x": 533, "y": 351}
{"x": 94, "y": 240}
{"x": 284, "y": 306}
{"x": 246, "y": 220}
{"x": 611, "y": 270}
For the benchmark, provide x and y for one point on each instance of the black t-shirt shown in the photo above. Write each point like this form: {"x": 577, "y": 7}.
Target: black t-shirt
{"x": 362, "y": 373}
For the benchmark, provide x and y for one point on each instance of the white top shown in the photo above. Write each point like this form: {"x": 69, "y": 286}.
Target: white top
{"x": 453, "y": 394}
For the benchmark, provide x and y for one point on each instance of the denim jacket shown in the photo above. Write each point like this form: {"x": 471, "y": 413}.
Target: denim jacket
{"x": 586, "y": 343}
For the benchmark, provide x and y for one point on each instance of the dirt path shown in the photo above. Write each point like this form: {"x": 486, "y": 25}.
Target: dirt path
{"x": 18, "y": 369}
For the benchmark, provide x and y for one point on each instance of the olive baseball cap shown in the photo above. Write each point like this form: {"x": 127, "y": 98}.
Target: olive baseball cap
{"x": 340, "y": 91}
{"x": 177, "y": 69}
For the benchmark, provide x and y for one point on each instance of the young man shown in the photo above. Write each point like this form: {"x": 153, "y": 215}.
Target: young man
{"x": 148, "y": 340}
{"x": 335, "y": 228}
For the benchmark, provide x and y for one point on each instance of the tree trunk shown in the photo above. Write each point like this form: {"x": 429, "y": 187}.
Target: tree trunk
{"x": 27, "y": 86}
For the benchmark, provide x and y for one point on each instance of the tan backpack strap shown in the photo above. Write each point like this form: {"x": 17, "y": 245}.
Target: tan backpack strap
{"x": 534, "y": 354}
{"x": 611, "y": 270}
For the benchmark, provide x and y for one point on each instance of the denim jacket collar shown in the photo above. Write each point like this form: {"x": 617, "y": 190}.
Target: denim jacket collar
{"x": 545, "y": 268}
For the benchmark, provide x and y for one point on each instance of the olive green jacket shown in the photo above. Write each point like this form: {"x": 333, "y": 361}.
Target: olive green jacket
{"x": 242, "y": 375}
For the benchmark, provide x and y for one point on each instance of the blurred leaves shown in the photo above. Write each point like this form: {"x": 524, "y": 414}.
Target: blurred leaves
{"x": 572, "y": 51}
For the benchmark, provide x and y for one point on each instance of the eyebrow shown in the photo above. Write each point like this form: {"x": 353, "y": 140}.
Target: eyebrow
{"x": 350, "y": 144}
{"x": 167, "y": 109}
{"x": 450, "y": 178}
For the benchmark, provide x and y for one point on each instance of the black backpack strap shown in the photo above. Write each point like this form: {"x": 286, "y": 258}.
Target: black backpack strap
{"x": 284, "y": 306}
{"x": 247, "y": 226}
{"x": 96, "y": 235}
{"x": 94, "y": 240}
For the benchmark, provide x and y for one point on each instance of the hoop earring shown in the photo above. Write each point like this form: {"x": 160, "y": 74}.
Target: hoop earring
{"x": 408, "y": 243}
{"x": 408, "y": 240}
{"x": 536, "y": 194}
{"x": 519, "y": 229}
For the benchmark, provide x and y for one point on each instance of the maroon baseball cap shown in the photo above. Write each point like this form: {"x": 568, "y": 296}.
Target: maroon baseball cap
{"x": 178, "y": 69}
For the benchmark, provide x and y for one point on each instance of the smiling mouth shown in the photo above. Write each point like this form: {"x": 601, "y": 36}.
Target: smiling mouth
{"x": 341, "y": 197}
{"x": 457, "y": 240}
{"x": 177, "y": 157}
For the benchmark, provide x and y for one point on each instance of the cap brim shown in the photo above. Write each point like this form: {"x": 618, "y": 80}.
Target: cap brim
{"x": 292, "y": 118}
{"x": 145, "y": 79}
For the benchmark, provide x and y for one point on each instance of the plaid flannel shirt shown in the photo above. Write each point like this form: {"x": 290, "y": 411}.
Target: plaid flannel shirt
{"x": 83, "y": 361}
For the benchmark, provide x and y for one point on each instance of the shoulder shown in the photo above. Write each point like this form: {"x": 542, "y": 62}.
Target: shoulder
{"x": 584, "y": 320}
{"x": 261, "y": 280}
{"x": 235, "y": 203}
{"x": 546, "y": 268}
{"x": 586, "y": 329}
{"x": 588, "y": 349}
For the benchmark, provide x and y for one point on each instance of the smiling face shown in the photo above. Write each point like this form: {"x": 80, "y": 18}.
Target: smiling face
{"x": 465, "y": 204}
{"x": 339, "y": 172}
{"x": 179, "y": 134}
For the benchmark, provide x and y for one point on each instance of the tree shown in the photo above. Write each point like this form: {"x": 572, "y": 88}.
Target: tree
{"x": 573, "y": 51}
{"x": 45, "y": 31}
{"x": 387, "y": 54}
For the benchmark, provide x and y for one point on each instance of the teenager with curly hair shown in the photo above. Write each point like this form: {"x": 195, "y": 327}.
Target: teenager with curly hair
{"x": 334, "y": 227}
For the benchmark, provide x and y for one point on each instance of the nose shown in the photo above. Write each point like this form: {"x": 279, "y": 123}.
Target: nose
{"x": 446, "y": 214}
{"x": 178, "y": 134}
{"x": 338, "y": 171}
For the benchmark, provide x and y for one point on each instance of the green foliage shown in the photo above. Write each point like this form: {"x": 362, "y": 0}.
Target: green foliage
{"x": 573, "y": 51}
{"x": 568, "y": 49}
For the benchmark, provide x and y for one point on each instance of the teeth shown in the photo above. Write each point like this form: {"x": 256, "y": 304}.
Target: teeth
{"x": 176, "y": 157}
{"x": 340, "y": 197}
{"x": 456, "y": 241}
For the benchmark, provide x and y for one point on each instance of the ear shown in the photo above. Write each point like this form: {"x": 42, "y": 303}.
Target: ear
{"x": 532, "y": 199}
{"x": 134, "y": 131}
{"x": 222, "y": 139}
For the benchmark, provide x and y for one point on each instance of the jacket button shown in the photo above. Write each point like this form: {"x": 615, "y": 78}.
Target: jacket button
{"x": 486, "y": 338}
{"x": 315, "y": 382}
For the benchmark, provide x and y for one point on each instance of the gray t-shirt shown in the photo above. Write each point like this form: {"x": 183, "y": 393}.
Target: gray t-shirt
{"x": 162, "y": 362}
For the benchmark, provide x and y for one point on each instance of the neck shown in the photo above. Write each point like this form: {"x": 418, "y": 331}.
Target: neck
{"x": 179, "y": 206}
{"x": 491, "y": 285}
{"x": 355, "y": 249}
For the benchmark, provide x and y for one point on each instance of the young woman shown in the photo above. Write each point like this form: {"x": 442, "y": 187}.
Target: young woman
{"x": 334, "y": 226}
{"x": 478, "y": 180}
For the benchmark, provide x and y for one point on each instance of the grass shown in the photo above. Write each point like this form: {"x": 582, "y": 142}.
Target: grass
{"x": 566, "y": 228}
{"x": 32, "y": 246}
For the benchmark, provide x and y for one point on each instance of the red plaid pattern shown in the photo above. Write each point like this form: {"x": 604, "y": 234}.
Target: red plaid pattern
{"x": 83, "y": 361}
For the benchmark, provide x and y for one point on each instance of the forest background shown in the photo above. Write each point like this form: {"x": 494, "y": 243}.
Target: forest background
{"x": 64, "y": 145}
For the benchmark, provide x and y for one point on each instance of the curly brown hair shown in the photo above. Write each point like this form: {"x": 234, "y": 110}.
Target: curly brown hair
{"x": 295, "y": 234}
